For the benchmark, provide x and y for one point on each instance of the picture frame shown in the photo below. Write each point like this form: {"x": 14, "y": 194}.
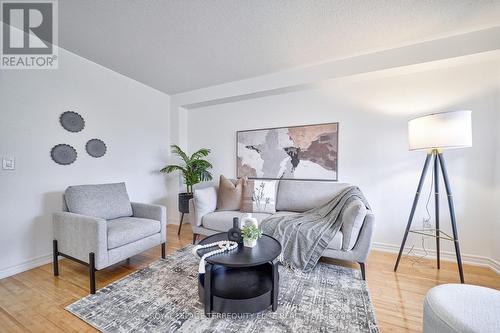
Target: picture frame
{"x": 299, "y": 152}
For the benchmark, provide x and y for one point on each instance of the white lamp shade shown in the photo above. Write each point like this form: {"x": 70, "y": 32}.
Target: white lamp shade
{"x": 441, "y": 131}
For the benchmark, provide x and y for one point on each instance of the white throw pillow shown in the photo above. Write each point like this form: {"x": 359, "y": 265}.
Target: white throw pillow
{"x": 205, "y": 201}
{"x": 259, "y": 196}
{"x": 353, "y": 217}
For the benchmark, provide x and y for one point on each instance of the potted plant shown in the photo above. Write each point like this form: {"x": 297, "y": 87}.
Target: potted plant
{"x": 194, "y": 170}
{"x": 250, "y": 234}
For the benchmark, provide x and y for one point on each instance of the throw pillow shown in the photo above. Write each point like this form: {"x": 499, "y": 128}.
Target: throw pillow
{"x": 205, "y": 201}
{"x": 353, "y": 217}
{"x": 229, "y": 196}
{"x": 259, "y": 196}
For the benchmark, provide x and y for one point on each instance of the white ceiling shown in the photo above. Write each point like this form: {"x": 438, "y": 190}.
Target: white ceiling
{"x": 181, "y": 45}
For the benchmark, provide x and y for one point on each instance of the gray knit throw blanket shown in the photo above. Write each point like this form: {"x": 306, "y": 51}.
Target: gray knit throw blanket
{"x": 305, "y": 236}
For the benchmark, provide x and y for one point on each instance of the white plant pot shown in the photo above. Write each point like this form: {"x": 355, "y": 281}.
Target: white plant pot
{"x": 249, "y": 242}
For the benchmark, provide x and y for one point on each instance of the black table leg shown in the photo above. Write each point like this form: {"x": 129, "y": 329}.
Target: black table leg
{"x": 92, "y": 272}
{"x": 55, "y": 254}
{"x": 208, "y": 290}
{"x": 276, "y": 287}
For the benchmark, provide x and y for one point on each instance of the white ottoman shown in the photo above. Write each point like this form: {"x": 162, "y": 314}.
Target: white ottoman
{"x": 462, "y": 308}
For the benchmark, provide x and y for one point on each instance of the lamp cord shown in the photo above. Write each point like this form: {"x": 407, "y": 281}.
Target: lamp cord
{"x": 416, "y": 260}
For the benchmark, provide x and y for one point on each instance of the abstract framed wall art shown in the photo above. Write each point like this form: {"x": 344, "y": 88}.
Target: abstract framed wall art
{"x": 308, "y": 152}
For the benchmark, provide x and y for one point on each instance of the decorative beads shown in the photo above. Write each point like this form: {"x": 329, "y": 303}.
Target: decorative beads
{"x": 224, "y": 246}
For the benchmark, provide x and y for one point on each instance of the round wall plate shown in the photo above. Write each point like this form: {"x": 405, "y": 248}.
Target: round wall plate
{"x": 96, "y": 148}
{"x": 63, "y": 154}
{"x": 72, "y": 121}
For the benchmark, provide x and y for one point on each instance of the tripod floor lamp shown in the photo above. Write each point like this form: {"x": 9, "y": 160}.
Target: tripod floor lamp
{"x": 436, "y": 132}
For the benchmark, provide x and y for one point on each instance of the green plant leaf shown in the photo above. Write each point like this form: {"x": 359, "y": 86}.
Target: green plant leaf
{"x": 195, "y": 169}
{"x": 178, "y": 151}
{"x": 203, "y": 152}
{"x": 251, "y": 232}
{"x": 172, "y": 168}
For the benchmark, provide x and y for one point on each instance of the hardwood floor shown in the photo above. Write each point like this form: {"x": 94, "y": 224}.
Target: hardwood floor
{"x": 34, "y": 301}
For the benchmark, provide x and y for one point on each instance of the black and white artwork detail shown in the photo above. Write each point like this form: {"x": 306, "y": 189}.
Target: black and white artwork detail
{"x": 96, "y": 148}
{"x": 63, "y": 154}
{"x": 72, "y": 121}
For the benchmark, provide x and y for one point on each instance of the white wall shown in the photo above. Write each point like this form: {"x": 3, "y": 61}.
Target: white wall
{"x": 373, "y": 111}
{"x": 131, "y": 118}
{"x": 496, "y": 222}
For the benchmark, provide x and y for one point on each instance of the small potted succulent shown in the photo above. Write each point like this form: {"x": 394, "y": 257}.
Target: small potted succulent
{"x": 250, "y": 235}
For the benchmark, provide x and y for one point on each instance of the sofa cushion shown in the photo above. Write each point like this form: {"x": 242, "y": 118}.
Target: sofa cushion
{"x": 106, "y": 201}
{"x": 223, "y": 220}
{"x": 125, "y": 230}
{"x": 353, "y": 217}
{"x": 229, "y": 194}
{"x": 299, "y": 196}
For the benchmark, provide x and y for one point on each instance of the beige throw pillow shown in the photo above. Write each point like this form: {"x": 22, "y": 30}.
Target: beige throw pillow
{"x": 229, "y": 196}
{"x": 259, "y": 196}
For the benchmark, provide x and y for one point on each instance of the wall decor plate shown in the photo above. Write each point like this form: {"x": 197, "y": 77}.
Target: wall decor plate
{"x": 96, "y": 148}
{"x": 63, "y": 154}
{"x": 306, "y": 152}
{"x": 72, "y": 121}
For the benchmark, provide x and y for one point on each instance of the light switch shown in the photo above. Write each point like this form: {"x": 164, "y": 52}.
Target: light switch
{"x": 8, "y": 163}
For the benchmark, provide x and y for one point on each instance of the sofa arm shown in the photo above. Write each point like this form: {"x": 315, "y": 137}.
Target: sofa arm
{"x": 78, "y": 235}
{"x": 204, "y": 201}
{"x": 152, "y": 212}
{"x": 364, "y": 242}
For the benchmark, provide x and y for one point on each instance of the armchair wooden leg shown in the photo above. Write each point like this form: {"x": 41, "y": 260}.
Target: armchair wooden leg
{"x": 363, "y": 274}
{"x": 163, "y": 250}
{"x": 55, "y": 254}
{"x": 195, "y": 237}
{"x": 92, "y": 272}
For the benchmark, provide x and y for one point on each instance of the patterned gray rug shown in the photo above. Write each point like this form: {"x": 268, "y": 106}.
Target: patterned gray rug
{"x": 164, "y": 298}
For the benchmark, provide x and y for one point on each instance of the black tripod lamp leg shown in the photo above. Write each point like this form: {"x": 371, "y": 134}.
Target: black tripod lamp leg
{"x": 413, "y": 207}
{"x": 452, "y": 216}
{"x": 436, "y": 206}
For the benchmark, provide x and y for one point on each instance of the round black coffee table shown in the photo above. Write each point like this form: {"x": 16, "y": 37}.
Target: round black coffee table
{"x": 244, "y": 280}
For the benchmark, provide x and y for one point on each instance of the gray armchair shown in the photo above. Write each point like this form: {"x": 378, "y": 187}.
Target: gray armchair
{"x": 101, "y": 227}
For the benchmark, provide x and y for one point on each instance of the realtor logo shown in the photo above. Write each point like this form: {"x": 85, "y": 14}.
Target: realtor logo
{"x": 29, "y": 34}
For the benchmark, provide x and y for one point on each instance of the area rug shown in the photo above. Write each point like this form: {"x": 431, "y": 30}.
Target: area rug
{"x": 164, "y": 298}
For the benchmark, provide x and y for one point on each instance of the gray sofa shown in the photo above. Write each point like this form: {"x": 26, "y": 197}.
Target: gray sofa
{"x": 350, "y": 243}
{"x": 100, "y": 227}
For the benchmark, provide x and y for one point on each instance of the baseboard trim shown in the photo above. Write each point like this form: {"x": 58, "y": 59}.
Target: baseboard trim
{"x": 445, "y": 255}
{"x": 26, "y": 265}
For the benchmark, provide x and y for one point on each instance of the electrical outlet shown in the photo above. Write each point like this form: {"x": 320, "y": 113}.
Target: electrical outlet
{"x": 8, "y": 163}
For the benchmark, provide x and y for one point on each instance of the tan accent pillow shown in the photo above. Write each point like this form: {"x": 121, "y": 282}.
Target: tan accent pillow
{"x": 259, "y": 196}
{"x": 229, "y": 196}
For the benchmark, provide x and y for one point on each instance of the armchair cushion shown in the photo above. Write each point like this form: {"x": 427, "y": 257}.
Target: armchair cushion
{"x": 106, "y": 201}
{"x": 125, "y": 230}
